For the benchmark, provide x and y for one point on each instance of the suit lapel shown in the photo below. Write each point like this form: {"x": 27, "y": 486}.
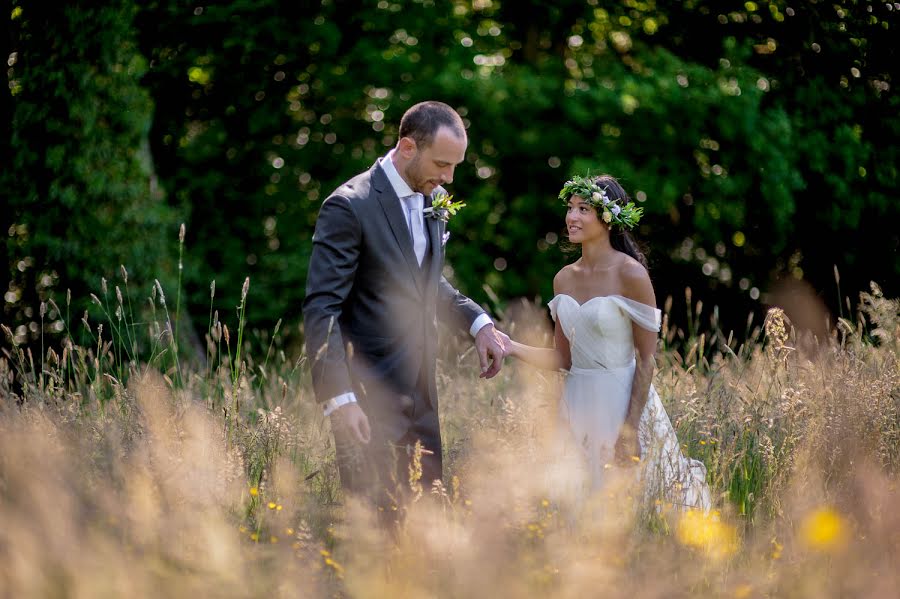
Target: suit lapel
{"x": 390, "y": 204}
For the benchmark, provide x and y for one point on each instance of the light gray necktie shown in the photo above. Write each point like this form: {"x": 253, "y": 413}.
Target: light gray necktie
{"x": 414, "y": 205}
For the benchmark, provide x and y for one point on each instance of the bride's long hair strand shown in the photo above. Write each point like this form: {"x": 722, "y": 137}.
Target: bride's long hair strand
{"x": 621, "y": 239}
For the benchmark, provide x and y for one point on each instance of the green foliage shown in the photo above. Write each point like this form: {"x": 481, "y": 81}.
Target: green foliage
{"x": 79, "y": 199}
{"x": 748, "y": 132}
{"x": 722, "y": 139}
{"x": 443, "y": 207}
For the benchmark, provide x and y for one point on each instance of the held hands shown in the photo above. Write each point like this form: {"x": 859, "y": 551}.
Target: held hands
{"x": 492, "y": 347}
{"x": 628, "y": 448}
{"x": 352, "y": 419}
{"x": 507, "y": 343}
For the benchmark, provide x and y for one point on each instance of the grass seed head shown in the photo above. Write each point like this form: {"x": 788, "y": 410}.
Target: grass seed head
{"x": 162, "y": 296}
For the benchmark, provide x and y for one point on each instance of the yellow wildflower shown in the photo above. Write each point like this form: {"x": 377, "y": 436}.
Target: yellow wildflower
{"x": 776, "y": 549}
{"x": 824, "y": 530}
{"x": 254, "y": 491}
{"x": 708, "y": 533}
{"x": 334, "y": 565}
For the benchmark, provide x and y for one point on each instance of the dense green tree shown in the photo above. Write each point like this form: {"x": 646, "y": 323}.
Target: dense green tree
{"x": 77, "y": 186}
{"x": 760, "y": 137}
{"x": 705, "y": 110}
{"x": 827, "y": 68}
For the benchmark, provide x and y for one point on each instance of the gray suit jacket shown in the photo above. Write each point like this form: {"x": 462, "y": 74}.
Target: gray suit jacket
{"x": 370, "y": 312}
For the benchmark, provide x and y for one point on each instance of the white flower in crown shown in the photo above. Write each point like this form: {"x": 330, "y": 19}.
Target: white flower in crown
{"x": 600, "y": 197}
{"x": 443, "y": 207}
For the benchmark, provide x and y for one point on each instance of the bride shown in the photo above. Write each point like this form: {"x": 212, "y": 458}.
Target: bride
{"x": 606, "y": 326}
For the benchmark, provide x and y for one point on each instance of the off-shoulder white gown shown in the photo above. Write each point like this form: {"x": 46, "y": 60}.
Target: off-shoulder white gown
{"x": 598, "y": 389}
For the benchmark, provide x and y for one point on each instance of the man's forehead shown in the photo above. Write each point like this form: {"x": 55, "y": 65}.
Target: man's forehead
{"x": 448, "y": 145}
{"x": 450, "y": 133}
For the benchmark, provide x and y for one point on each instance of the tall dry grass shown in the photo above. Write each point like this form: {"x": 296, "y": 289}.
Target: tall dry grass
{"x": 123, "y": 477}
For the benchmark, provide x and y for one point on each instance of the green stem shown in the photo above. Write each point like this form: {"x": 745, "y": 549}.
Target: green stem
{"x": 268, "y": 353}
{"x": 162, "y": 300}
{"x": 41, "y": 387}
{"x": 115, "y": 333}
{"x": 178, "y": 301}
{"x": 235, "y": 366}
{"x": 209, "y": 330}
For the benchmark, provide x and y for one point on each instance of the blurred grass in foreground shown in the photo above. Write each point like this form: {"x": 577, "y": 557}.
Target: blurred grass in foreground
{"x": 121, "y": 476}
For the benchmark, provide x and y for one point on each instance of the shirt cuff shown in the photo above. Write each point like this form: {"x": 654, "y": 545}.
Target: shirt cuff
{"x": 341, "y": 400}
{"x": 480, "y": 322}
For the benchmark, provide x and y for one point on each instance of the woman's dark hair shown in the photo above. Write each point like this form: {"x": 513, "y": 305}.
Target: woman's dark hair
{"x": 619, "y": 237}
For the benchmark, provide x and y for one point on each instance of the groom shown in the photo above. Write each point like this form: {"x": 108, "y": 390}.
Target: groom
{"x": 374, "y": 293}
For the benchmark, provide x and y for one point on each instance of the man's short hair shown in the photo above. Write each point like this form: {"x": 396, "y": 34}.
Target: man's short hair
{"x": 422, "y": 121}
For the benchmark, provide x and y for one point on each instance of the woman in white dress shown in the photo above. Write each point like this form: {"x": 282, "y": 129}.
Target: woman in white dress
{"x": 606, "y": 328}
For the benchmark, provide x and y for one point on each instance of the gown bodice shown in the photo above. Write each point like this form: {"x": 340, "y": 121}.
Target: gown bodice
{"x": 599, "y": 330}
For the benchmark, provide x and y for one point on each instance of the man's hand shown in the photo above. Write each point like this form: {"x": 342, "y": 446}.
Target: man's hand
{"x": 628, "y": 448}
{"x": 492, "y": 347}
{"x": 350, "y": 417}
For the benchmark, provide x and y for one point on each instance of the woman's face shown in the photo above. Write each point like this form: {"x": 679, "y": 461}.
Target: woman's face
{"x": 582, "y": 222}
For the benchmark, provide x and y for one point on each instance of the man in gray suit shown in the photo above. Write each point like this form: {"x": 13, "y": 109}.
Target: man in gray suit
{"x": 373, "y": 296}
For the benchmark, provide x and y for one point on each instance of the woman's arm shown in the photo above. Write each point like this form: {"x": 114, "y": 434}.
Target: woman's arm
{"x": 637, "y": 286}
{"x": 556, "y": 358}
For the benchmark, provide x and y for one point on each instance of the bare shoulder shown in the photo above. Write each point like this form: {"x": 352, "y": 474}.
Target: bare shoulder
{"x": 635, "y": 282}
{"x": 562, "y": 282}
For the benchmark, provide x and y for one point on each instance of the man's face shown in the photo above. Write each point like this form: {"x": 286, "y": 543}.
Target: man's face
{"x": 434, "y": 165}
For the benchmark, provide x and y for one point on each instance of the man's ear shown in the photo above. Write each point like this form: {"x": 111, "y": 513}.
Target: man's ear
{"x": 407, "y": 148}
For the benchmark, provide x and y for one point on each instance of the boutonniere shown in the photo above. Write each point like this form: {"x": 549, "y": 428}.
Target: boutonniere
{"x": 443, "y": 207}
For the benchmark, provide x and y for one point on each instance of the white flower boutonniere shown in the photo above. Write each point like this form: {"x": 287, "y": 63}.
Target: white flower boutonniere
{"x": 443, "y": 207}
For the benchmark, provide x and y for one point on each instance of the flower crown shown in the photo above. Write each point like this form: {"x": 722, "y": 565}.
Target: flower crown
{"x": 613, "y": 212}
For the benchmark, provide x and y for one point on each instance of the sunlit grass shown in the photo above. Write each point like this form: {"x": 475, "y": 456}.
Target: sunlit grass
{"x": 122, "y": 475}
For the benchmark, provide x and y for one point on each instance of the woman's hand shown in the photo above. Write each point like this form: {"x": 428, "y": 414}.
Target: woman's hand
{"x": 628, "y": 448}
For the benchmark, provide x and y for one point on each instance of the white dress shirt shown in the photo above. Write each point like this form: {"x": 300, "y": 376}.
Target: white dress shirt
{"x": 414, "y": 206}
{"x": 406, "y": 195}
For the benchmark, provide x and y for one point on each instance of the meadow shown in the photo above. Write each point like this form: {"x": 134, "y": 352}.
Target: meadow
{"x": 127, "y": 469}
